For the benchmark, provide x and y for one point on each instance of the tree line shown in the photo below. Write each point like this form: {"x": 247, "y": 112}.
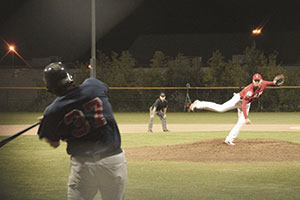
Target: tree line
{"x": 121, "y": 69}
{"x": 165, "y": 71}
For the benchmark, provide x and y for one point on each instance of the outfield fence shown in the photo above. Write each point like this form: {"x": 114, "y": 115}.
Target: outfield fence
{"x": 139, "y": 99}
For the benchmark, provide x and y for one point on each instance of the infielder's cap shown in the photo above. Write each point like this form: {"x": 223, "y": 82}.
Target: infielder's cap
{"x": 257, "y": 76}
{"x": 162, "y": 94}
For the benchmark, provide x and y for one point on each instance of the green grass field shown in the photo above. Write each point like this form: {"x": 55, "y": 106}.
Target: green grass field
{"x": 32, "y": 170}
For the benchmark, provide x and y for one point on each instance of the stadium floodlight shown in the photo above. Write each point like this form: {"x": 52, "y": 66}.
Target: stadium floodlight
{"x": 12, "y": 48}
{"x": 256, "y": 31}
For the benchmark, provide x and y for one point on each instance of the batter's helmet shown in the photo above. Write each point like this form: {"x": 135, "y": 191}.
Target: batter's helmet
{"x": 56, "y": 78}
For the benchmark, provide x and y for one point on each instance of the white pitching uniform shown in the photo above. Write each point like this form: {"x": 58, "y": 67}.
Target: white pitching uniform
{"x": 241, "y": 101}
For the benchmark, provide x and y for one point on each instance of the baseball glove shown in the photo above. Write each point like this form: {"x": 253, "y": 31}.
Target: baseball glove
{"x": 279, "y": 80}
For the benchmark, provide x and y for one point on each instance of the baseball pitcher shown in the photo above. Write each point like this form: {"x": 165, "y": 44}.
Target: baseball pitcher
{"x": 241, "y": 101}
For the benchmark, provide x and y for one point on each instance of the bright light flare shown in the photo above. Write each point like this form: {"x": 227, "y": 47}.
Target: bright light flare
{"x": 257, "y": 31}
{"x": 12, "y": 48}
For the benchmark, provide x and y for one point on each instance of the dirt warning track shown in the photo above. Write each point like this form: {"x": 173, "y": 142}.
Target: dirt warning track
{"x": 6, "y": 130}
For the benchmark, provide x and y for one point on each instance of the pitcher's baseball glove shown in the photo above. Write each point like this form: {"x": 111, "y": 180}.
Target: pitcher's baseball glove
{"x": 279, "y": 79}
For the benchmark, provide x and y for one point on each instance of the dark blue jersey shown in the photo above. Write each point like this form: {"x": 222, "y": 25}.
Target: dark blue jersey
{"x": 84, "y": 118}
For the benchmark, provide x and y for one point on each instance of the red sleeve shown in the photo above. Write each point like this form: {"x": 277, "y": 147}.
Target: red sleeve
{"x": 244, "y": 108}
{"x": 269, "y": 82}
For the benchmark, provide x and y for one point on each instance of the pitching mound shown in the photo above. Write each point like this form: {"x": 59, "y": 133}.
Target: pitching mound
{"x": 245, "y": 150}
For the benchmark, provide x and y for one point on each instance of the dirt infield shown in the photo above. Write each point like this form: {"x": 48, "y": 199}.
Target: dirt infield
{"x": 6, "y": 130}
{"x": 246, "y": 150}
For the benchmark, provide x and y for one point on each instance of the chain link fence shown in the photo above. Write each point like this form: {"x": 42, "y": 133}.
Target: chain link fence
{"x": 130, "y": 99}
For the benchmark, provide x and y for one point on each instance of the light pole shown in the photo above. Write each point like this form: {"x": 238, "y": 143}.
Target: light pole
{"x": 93, "y": 40}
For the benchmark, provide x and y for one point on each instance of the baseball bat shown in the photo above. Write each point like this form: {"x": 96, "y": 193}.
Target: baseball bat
{"x": 10, "y": 138}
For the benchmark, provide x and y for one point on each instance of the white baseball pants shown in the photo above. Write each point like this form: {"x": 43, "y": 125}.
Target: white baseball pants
{"x": 234, "y": 102}
{"x": 88, "y": 175}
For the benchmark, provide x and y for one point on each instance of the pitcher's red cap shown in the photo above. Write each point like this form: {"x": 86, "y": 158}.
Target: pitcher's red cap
{"x": 257, "y": 77}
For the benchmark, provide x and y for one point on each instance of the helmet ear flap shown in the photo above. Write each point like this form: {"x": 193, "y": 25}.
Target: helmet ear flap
{"x": 68, "y": 79}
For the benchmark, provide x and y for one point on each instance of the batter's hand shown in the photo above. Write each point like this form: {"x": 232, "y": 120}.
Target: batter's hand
{"x": 165, "y": 116}
{"x": 248, "y": 122}
{"x": 40, "y": 118}
{"x": 53, "y": 144}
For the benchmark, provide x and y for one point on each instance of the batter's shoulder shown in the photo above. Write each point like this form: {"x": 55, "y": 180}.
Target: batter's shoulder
{"x": 97, "y": 83}
{"x": 92, "y": 81}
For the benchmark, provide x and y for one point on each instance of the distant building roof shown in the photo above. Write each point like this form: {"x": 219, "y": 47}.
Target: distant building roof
{"x": 287, "y": 44}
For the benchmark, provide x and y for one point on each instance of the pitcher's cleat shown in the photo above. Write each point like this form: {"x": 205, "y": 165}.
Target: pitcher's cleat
{"x": 229, "y": 143}
{"x": 193, "y": 105}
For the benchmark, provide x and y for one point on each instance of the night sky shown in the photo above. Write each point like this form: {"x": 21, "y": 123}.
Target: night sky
{"x": 62, "y": 27}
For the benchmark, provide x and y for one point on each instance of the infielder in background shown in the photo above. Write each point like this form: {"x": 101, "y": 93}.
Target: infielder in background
{"x": 159, "y": 107}
{"x": 82, "y": 116}
{"x": 241, "y": 101}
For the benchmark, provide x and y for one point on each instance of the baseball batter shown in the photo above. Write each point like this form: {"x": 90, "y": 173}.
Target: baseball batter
{"x": 241, "y": 101}
{"x": 82, "y": 116}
